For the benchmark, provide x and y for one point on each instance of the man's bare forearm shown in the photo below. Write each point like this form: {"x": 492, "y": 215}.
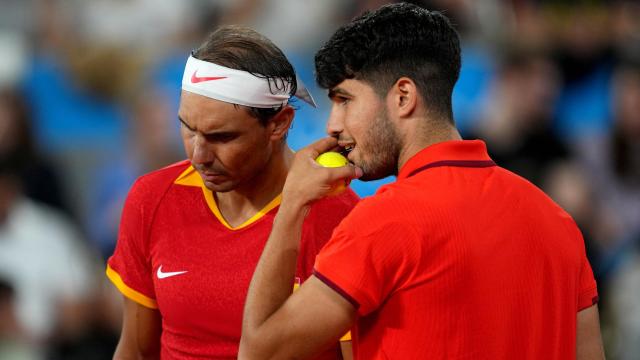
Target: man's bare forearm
{"x": 272, "y": 282}
{"x": 588, "y": 338}
{"x": 269, "y": 329}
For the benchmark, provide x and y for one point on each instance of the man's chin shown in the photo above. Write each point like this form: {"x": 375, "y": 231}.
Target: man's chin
{"x": 222, "y": 187}
{"x": 373, "y": 177}
{"x": 372, "y": 173}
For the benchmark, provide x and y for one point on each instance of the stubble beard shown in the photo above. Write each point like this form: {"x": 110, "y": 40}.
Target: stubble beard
{"x": 384, "y": 149}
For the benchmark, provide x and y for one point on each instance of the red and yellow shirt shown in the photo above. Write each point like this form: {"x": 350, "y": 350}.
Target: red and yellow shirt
{"x": 460, "y": 258}
{"x": 177, "y": 254}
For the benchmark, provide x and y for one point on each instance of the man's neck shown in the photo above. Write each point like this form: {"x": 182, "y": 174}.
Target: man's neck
{"x": 425, "y": 136}
{"x": 242, "y": 203}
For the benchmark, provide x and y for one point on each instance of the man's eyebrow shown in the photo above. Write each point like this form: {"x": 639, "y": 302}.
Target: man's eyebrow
{"x": 336, "y": 91}
{"x": 184, "y": 123}
{"x": 214, "y": 133}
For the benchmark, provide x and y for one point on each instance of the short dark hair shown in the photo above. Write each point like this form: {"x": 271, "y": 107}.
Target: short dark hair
{"x": 242, "y": 48}
{"x": 394, "y": 41}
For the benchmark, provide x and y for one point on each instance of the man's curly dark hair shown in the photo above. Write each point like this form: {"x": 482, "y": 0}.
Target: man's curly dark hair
{"x": 396, "y": 40}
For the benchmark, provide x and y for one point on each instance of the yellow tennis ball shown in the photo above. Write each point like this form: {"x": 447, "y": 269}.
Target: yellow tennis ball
{"x": 333, "y": 159}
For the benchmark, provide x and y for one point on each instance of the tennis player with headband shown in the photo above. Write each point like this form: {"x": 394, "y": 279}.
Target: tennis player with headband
{"x": 191, "y": 234}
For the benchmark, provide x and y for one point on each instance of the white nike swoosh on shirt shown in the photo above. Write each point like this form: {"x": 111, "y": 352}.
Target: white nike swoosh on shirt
{"x": 162, "y": 275}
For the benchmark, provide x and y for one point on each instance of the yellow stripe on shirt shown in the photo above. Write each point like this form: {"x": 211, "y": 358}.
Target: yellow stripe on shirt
{"x": 129, "y": 292}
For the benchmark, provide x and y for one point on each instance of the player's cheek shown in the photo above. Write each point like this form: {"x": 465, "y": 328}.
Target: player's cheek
{"x": 188, "y": 147}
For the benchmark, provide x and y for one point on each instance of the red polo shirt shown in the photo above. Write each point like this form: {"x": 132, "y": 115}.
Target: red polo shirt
{"x": 460, "y": 258}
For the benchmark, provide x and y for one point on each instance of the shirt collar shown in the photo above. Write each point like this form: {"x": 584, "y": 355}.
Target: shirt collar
{"x": 462, "y": 153}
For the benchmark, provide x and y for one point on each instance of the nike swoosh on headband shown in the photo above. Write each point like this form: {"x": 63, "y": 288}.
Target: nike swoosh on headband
{"x": 197, "y": 79}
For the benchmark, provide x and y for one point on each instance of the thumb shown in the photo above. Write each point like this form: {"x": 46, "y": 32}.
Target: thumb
{"x": 323, "y": 145}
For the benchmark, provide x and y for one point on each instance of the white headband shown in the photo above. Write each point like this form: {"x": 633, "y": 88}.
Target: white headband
{"x": 237, "y": 86}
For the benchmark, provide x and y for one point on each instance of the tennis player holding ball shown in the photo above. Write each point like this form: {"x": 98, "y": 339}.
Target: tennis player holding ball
{"x": 334, "y": 159}
{"x": 191, "y": 233}
{"x": 457, "y": 259}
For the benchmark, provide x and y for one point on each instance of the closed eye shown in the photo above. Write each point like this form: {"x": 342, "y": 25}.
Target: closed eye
{"x": 221, "y": 137}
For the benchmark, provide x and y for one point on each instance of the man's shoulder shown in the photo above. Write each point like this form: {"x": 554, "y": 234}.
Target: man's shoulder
{"x": 377, "y": 209}
{"x": 532, "y": 193}
{"x": 154, "y": 184}
{"x": 167, "y": 174}
{"x": 389, "y": 196}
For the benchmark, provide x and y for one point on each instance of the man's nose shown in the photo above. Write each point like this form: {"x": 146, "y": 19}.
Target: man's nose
{"x": 202, "y": 154}
{"x": 335, "y": 123}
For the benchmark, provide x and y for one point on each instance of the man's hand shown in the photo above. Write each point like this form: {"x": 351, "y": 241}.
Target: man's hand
{"x": 308, "y": 181}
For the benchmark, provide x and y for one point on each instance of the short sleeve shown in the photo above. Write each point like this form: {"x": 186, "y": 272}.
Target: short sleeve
{"x": 129, "y": 268}
{"x": 365, "y": 261}
{"x": 588, "y": 290}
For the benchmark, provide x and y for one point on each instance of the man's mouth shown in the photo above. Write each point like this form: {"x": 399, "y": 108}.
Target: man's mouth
{"x": 210, "y": 174}
{"x": 346, "y": 149}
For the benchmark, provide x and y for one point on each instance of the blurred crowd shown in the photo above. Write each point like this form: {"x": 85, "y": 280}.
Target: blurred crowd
{"x": 88, "y": 99}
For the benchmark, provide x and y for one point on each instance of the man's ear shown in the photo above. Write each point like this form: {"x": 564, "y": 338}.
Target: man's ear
{"x": 402, "y": 98}
{"x": 280, "y": 123}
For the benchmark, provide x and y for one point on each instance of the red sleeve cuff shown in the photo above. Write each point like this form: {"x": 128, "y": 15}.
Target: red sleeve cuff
{"x": 588, "y": 298}
{"x": 336, "y": 288}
